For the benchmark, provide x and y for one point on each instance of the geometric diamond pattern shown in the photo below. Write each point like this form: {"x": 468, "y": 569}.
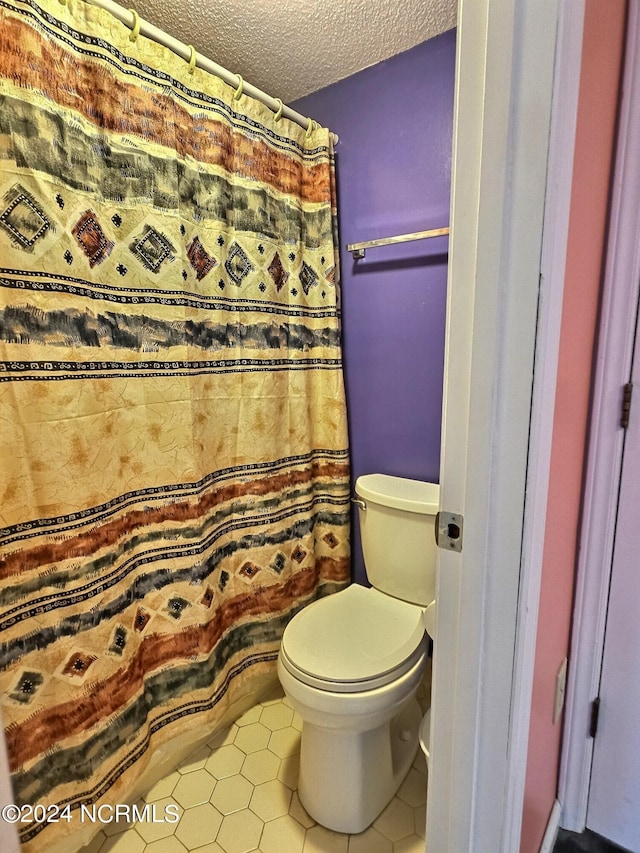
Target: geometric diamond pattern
{"x": 23, "y": 219}
{"x": 27, "y": 687}
{"x": 237, "y": 264}
{"x": 278, "y": 272}
{"x": 89, "y": 234}
{"x": 78, "y": 664}
{"x": 152, "y": 249}
{"x": 248, "y": 570}
{"x": 330, "y": 539}
{"x": 176, "y": 606}
{"x": 299, "y": 554}
{"x": 201, "y": 261}
{"x": 308, "y": 278}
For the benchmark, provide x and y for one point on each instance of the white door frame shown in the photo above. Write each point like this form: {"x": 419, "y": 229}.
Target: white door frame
{"x": 613, "y": 370}
{"x": 505, "y": 292}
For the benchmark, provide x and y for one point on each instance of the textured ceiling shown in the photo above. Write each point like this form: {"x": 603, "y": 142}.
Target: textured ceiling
{"x": 289, "y": 48}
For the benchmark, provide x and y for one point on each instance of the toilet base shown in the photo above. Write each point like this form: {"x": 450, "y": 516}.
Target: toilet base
{"x": 347, "y": 778}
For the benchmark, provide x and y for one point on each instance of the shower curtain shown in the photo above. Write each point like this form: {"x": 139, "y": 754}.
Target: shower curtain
{"x": 174, "y": 466}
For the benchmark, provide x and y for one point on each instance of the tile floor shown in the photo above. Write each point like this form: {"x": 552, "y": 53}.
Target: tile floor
{"x": 238, "y": 794}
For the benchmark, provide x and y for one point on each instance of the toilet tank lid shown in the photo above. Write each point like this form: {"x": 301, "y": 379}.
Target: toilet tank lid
{"x": 399, "y": 493}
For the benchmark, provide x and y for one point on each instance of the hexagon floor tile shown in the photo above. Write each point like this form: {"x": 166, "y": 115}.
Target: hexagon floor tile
{"x": 238, "y": 795}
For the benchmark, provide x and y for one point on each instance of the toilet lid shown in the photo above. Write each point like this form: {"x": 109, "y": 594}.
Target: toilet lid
{"x": 354, "y": 636}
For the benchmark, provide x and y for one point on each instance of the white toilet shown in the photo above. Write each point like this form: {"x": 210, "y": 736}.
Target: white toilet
{"x": 351, "y": 662}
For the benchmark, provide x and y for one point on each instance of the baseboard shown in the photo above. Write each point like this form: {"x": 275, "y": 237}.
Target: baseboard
{"x": 553, "y": 826}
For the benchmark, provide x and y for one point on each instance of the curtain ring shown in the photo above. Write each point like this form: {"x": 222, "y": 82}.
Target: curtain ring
{"x": 238, "y": 93}
{"x": 135, "y": 30}
{"x": 278, "y": 115}
{"x": 310, "y": 128}
{"x": 192, "y": 59}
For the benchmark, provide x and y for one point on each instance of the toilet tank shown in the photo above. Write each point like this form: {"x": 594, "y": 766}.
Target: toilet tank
{"x": 398, "y": 539}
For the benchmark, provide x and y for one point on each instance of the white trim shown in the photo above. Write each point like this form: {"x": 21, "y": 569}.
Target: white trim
{"x": 613, "y": 368}
{"x": 554, "y": 252}
{"x": 551, "y": 834}
{"x": 504, "y": 88}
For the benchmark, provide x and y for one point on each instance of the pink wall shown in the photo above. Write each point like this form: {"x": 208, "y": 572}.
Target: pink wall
{"x": 597, "y": 106}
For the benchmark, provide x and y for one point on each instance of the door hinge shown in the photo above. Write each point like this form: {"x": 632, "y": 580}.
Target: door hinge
{"x": 448, "y": 530}
{"x": 595, "y": 713}
{"x": 627, "y": 391}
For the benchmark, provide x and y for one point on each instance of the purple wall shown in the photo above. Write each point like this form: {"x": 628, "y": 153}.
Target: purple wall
{"x": 395, "y": 124}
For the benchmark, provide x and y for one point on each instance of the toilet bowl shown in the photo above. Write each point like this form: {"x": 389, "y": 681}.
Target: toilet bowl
{"x": 360, "y": 716}
{"x": 351, "y": 663}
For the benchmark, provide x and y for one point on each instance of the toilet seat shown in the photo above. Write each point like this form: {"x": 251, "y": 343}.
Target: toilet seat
{"x": 355, "y": 640}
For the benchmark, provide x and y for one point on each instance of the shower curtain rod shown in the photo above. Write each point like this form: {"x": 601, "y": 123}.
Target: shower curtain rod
{"x": 131, "y": 19}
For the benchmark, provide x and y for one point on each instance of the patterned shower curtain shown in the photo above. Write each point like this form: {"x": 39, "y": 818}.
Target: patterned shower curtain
{"x": 174, "y": 467}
